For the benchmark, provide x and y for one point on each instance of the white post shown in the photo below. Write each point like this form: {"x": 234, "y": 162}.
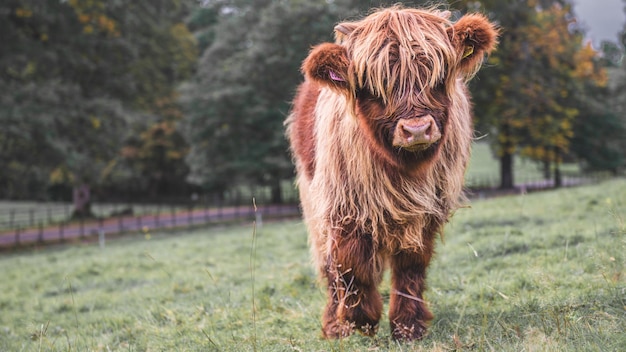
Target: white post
{"x": 101, "y": 238}
{"x": 259, "y": 220}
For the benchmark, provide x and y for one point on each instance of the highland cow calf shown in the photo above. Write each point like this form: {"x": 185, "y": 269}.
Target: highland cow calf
{"x": 380, "y": 133}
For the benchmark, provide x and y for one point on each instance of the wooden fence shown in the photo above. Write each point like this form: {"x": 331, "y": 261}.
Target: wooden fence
{"x": 47, "y": 224}
{"x": 535, "y": 183}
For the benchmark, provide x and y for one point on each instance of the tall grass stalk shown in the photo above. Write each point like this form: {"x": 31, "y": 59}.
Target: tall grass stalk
{"x": 253, "y": 276}
{"x": 69, "y": 284}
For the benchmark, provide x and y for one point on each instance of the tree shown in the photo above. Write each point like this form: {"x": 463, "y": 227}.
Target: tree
{"x": 599, "y": 134}
{"x": 568, "y": 71}
{"x": 48, "y": 106}
{"x": 26, "y": 156}
{"x": 600, "y": 129}
{"x": 240, "y": 96}
{"x": 527, "y": 96}
{"x": 156, "y": 160}
{"x": 81, "y": 69}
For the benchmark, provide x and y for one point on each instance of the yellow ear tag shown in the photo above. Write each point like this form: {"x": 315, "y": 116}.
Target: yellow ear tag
{"x": 469, "y": 50}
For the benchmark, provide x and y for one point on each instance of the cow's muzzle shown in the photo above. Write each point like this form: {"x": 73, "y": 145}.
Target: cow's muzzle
{"x": 416, "y": 133}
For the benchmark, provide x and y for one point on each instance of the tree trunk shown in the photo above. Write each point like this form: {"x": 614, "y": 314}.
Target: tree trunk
{"x": 506, "y": 160}
{"x": 558, "y": 180}
{"x": 547, "y": 175}
{"x": 82, "y": 201}
{"x": 506, "y": 171}
{"x": 277, "y": 195}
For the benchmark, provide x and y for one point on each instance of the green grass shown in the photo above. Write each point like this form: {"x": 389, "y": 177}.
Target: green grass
{"x": 543, "y": 272}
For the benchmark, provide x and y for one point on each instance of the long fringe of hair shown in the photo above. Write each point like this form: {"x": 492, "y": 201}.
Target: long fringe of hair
{"x": 413, "y": 54}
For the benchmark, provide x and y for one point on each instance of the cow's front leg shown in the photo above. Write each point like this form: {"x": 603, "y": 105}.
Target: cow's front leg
{"x": 408, "y": 313}
{"x": 353, "y": 272}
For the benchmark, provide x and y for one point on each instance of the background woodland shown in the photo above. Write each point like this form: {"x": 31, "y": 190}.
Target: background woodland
{"x": 166, "y": 98}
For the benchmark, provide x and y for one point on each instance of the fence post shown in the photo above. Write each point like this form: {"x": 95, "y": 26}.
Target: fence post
{"x": 258, "y": 218}
{"x": 190, "y": 216}
{"x": 32, "y": 217}
{"x": 11, "y": 218}
{"x": 172, "y": 212}
{"x": 40, "y": 235}
{"x": 101, "y": 238}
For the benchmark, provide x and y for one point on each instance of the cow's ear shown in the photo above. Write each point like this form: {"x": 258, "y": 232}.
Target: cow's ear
{"x": 343, "y": 30}
{"x": 327, "y": 64}
{"x": 474, "y": 36}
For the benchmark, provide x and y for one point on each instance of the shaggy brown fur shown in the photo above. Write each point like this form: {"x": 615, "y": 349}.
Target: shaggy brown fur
{"x": 380, "y": 132}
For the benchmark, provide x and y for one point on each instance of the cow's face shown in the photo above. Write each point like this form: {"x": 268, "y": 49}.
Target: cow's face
{"x": 397, "y": 68}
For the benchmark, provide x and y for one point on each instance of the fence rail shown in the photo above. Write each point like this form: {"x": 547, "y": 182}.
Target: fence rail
{"x": 530, "y": 183}
{"x": 29, "y": 229}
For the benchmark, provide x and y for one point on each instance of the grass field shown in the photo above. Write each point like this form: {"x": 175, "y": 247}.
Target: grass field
{"x": 540, "y": 272}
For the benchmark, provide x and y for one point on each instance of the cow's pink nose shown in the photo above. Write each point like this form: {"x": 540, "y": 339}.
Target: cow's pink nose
{"x": 416, "y": 133}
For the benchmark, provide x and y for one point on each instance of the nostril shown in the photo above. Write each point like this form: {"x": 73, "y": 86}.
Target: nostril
{"x": 428, "y": 131}
{"x": 417, "y": 130}
{"x": 407, "y": 132}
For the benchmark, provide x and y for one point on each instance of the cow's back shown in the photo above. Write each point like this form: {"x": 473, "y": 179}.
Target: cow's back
{"x": 301, "y": 128}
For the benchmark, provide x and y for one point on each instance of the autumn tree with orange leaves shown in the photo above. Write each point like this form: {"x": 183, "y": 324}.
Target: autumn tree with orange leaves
{"x": 527, "y": 98}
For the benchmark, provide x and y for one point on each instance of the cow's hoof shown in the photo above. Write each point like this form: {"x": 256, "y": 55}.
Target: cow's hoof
{"x": 408, "y": 332}
{"x": 368, "y": 329}
{"x": 338, "y": 329}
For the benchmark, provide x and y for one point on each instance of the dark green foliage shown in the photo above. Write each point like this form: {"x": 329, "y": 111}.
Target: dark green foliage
{"x": 599, "y": 143}
{"x": 77, "y": 77}
{"x": 240, "y": 96}
{"x": 600, "y": 129}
